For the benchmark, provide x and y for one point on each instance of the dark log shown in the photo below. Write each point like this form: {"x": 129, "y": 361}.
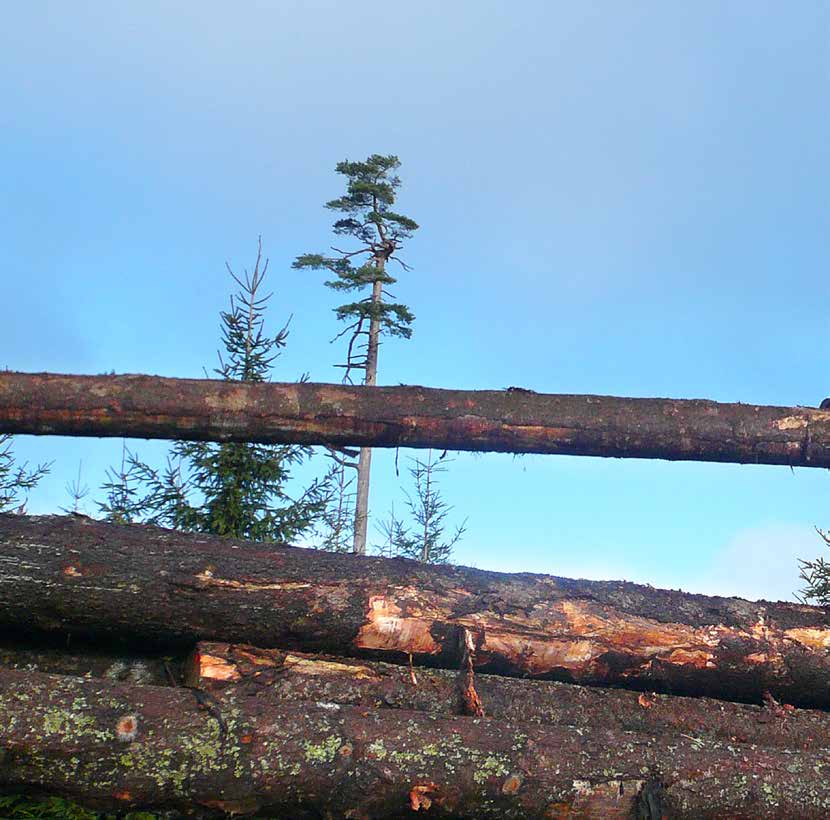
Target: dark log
{"x": 516, "y": 421}
{"x": 117, "y": 746}
{"x": 156, "y": 587}
{"x": 294, "y": 676}
{"x": 85, "y": 659}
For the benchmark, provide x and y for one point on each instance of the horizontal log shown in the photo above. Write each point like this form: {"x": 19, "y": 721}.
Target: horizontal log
{"x": 118, "y": 746}
{"x": 70, "y": 575}
{"x": 294, "y": 676}
{"x": 512, "y": 420}
{"x": 84, "y": 659}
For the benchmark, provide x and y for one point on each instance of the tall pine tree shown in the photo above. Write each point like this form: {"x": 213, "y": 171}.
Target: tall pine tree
{"x": 234, "y": 489}
{"x": 379, "y": 233}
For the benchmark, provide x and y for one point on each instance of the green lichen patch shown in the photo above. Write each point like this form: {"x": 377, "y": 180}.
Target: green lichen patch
{"x": 71, "y": 725}
{"x": 376, "y": 750}
{"x": 491, "y": 766}
{"x": 324, "y": 752}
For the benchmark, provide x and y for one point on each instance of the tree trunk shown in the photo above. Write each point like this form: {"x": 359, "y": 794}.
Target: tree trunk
{"x": 296, "y": 676}
{"x": 361, "y": 501}
{"x": 160, "y": 587}
{"x": 506, "y": 421}
{"x": 117, "y": 746}
{"x": 364, "y": 464}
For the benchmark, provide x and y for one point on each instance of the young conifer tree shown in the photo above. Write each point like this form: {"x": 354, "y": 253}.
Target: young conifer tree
{"x": 337, "y": 520}
{"x": 816, "y": 576}
{"x": 379, "y": 232}
{"x": 234, "y": 489}
{"x": 16, "y": 480}
{"x": 424, "y": 537}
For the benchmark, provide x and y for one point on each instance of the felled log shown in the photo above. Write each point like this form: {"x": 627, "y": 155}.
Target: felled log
{"x": 512, "y": 420}
{"x": 90, "y": 660}
{"x": 159, "y": 587}
{"x": 294, "y": 676}
{"x": 116, "y": 746}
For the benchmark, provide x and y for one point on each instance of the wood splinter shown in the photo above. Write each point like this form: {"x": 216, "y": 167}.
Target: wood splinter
{"x": 470, "y": 701}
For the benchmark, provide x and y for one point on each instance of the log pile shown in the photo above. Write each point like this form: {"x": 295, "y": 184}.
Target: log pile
{"x": 142, "y": 667}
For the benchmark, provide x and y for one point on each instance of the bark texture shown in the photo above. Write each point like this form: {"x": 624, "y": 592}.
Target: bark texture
{"x": 164, "y": 588}
{"x": 292, "y": 676}
{"x": 121, "y": 746}
{"x": 507, "y": 421}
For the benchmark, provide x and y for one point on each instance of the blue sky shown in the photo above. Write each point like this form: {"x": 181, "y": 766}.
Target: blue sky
{"x": 617, "y": 198}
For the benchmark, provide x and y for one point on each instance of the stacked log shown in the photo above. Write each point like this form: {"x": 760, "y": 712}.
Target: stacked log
{"x": 511, "y": 420}
{"x": 152, "y": 587}
{"x": 117, "y": 745}
{"x": 142, "y": 667}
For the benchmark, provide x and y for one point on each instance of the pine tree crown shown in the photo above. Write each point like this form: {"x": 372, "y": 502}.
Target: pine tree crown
{"x": 371, "y": 190}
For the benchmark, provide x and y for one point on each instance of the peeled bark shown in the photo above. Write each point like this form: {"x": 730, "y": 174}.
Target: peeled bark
{"x": 156, "y": 587}
{"x": 293, "y": 676}
{"x": 117, "y": 746}
{"x": 516, "y": 421}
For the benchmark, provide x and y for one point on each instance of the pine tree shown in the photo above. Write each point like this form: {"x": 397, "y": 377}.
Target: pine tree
{"x": 423, "y": 539}
{"x": 337, "y": 519}
{"x": 234, "y": 489}
{"x": 16, "y": 481}
{"x": 77, "y": 492}
{"x": 816, "y": 575}
{"x": 379, "y": 231}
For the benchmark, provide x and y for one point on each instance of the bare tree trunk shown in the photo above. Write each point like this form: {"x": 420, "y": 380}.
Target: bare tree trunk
{"x": 118, "y": 747}
{"x": 339, "y": 415}
{"x": 364, "y": 466}
{"x": 156, "y": 587}
{"x": 361, "y": 506}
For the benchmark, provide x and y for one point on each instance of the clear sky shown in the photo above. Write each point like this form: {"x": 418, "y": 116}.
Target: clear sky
{"x": 616, "y": 198}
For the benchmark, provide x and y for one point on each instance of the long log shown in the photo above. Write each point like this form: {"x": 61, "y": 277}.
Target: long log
{"x": 117, "y": 746}
{"x": 158, "y": 587}
{"x": 516, "y": 421}
{"x": 294, "y": 676}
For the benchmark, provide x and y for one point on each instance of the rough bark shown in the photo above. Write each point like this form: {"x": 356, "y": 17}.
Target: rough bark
{"x": 293, "y": 676}
{"x": 160, "y": 587}
{"x": 120, "y": 746}
{"x": 507, "y": 421}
